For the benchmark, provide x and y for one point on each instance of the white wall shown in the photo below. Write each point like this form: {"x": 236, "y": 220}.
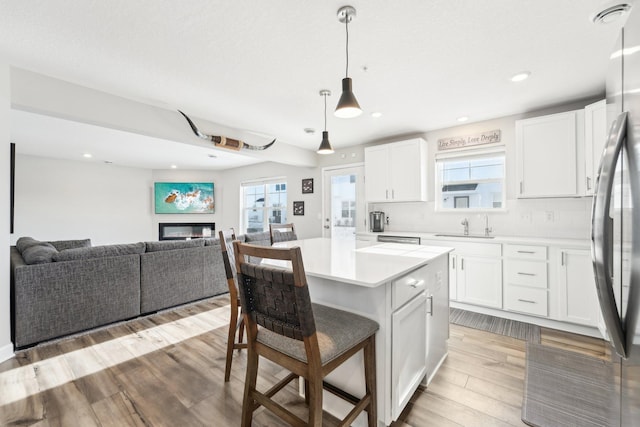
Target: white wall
{"x": 307, "y": 225}
{"x": 6, "y": 348}
{"x": 64, "y": 199}
{"x": 571, "y": 216}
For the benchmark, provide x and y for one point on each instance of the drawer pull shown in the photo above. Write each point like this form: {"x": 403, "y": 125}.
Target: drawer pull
{"x": 526, "y": 252}
{"x": 525, "y": 274}
{"x": 416, "y": 283}
{"x": 527, "y": 301}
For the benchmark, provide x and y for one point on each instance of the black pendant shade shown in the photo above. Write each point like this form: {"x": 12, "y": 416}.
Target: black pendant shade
{"x": 348, "y": 104}
{"x": 325, "y": 145}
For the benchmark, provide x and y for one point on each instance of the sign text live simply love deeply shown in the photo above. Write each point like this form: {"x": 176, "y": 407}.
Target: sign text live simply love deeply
{"x": 490, "y": 137}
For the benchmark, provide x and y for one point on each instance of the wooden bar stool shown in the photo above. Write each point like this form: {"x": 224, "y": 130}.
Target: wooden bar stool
{"x": 236, "y": 322}
{"x": 282, "y": 232}
{"x": 310, "y": 340}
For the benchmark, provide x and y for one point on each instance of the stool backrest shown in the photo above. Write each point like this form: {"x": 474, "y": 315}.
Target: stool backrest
{"x": 273, "y": 297}
{"x": 282, "y": 232}
{"x": 228, "y": 256}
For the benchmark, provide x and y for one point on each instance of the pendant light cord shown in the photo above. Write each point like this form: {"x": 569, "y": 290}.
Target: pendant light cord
{"x": 325, "y": 112}
{"x": 346, "y": 27}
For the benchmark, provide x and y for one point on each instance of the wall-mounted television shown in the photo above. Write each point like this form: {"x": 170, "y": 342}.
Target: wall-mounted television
{"x": 184, "y": 198}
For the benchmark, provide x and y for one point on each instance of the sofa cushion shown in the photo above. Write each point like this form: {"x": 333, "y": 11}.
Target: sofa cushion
{"x": 169, "y": 245}
{"x": 99, "y": 252}
{"x": 39, "y": 254}
{"x": 212, "y": 241}
{"x": 260, "y": 238}
{"x": 62, "y": 245}
{"x": 26, "y": 242}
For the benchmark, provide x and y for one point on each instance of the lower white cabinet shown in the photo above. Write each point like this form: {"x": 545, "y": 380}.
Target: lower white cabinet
{"x": 479, "y": 278}
{"x": 526, "y": 280}
{"x": 409, "y": 343}
{"x": 577, "y": 294}
{"x": 475, "y": 272}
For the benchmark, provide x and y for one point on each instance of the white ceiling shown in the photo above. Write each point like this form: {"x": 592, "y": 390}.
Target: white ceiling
{"x": 259, "y": 65}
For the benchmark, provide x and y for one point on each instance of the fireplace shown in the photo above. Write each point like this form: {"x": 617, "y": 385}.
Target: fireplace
{"x": 185, "y": 230}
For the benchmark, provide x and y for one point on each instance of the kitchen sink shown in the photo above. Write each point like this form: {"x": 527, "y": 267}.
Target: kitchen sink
{"x": 475, "y": 236}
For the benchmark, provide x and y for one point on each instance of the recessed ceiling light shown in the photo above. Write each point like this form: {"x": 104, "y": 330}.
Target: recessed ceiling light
{"x": 173, "y": 166}
{"x": 108, "y": 162}
{"x": 463, "y": 119}
{"x": 309, "y": 131}
{"x": 87, "y": 155}
{"x": 212, "y": 156}
{"x": 523, "y": 75}
{"x": 376, "y": 114}
{"x": 610, "y": 14}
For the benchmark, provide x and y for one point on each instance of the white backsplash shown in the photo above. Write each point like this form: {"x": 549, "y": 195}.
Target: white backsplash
{"x": 560, "y": 218}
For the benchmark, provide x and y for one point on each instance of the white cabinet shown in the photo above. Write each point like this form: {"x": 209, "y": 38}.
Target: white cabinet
{"x": 577, "y": 298}
{"x": 437, "y": 316}
{"x": 526, "y": 280}
{"x": 546, "y": 155}
{"x": 409, "y": 337}
{"x": 475, "y": 272}
{"x": 595, "y": 138}
{"x": 396, "y": 172}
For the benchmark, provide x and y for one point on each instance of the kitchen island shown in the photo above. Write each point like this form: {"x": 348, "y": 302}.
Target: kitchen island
{"x": 402, "y": 287}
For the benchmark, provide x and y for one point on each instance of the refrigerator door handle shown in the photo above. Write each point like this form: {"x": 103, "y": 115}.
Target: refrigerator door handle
{"x": 602, "y": 234}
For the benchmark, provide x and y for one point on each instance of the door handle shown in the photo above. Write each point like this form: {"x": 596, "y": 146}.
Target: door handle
{"x": 525, "y": 274}
{"x": 430, "y": 298}
{"x": 602, "y": 234}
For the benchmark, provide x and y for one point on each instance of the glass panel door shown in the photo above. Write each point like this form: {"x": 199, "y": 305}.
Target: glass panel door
{"x": 343, "y": 207}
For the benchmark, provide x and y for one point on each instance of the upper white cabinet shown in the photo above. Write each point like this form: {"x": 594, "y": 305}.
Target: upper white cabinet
{"x": 396, "y": 172}
{"x": 546, "y": 152}
{"x": 595, "y": 138}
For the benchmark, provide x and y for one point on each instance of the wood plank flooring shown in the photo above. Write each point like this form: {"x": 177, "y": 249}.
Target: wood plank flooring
{"x": 168, "y": 370}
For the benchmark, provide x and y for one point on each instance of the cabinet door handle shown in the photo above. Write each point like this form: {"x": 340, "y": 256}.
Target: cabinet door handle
{"x": 462, "y": 264}
{"x": 430, "y": 298}
{"x": 386, "y": 194}
{"x": 521, "y": 186}
{"x": 453, "y": 263}
{"x": 393, "y": 194}
{"x": 527, "y": 301}
{"x": 562, "y": 258}
{"x": 526, "y": 252}
{"x": 525, "y": 274}
{"x": 416, "y": 283}
{"x": 588, "y": 183}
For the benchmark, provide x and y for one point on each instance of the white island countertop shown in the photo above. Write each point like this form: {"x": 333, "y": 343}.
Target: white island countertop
{"x": 362, "y": 263}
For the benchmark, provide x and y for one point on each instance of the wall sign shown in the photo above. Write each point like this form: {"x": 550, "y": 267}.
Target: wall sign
{"x": 451, "y": 143}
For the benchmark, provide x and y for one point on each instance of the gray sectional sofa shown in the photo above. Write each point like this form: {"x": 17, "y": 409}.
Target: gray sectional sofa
{"x": 63, "y": 287}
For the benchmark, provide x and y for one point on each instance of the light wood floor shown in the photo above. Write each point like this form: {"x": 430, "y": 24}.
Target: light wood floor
{"x": 168, "y": 369}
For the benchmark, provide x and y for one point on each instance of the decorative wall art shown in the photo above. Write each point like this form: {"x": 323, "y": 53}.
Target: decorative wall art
{"x": 184, "y": 197}
{"x": 307, "y": 185}
{"x": 298, "y": 208}
{"x": 450, "y": 143}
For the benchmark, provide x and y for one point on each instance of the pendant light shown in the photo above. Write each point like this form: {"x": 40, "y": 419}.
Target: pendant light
{"x": 348, "y": 104}
{"x": 325, "y": 145}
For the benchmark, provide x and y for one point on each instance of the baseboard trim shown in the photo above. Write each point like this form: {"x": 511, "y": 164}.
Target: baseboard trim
{"x": 6, "y": 352}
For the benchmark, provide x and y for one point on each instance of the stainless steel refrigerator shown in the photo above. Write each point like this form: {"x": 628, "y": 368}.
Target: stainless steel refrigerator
{"x": 616, "y": 223}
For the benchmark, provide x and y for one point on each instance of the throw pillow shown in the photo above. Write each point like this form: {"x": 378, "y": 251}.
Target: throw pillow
{"x": 99, "y": 252}
{"x": 169, "y": 245}
{"x": 26, "y": 242}
{"x": 63, "y": 245}
{"x": 39, "y": 254}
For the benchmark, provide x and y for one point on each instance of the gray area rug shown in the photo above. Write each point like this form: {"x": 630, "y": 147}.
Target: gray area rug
{"x": 563, "y": 388}
{"x": 497, "y": 325}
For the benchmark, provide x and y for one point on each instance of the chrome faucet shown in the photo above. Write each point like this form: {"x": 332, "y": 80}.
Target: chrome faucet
{"x": 465, "y": 222}
{"x": 487, "y": 229}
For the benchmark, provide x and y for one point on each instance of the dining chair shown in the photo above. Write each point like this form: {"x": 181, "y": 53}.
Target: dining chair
{"x": 282, "y": 232}
{"x": 309, "y": 340}
{"x": 236, "y": 321}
